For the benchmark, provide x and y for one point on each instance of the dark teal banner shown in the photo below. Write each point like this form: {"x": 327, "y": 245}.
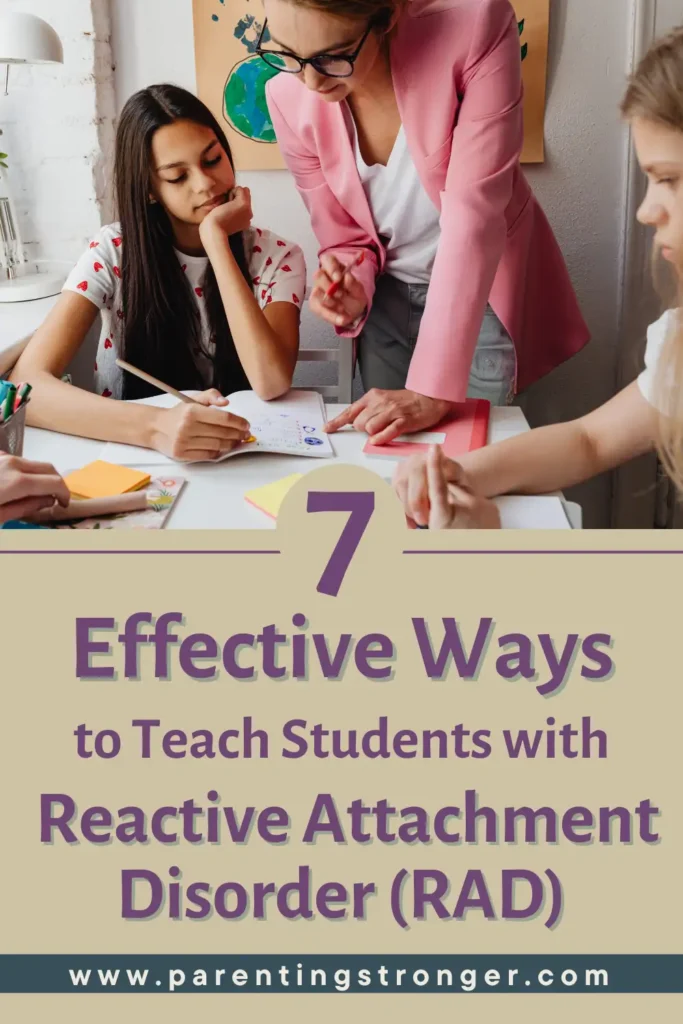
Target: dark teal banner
{"x": 341, "y": 974}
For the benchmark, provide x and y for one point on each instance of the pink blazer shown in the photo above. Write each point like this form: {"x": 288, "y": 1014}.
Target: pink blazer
{"x": 457, "y": 74}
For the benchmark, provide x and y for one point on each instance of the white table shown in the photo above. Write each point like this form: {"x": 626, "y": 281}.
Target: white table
{"x": 214, "y": 497}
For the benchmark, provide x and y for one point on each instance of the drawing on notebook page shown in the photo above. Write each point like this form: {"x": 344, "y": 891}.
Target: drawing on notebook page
{"x": 277, "y": 426}
{"x": 282, "y": 430}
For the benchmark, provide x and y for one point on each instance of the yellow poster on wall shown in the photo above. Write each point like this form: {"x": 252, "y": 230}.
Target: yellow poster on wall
{"x": 533, "y": 18}
{"x": 231, "y": 77}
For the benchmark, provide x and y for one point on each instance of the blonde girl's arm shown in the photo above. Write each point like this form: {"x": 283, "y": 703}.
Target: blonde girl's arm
{"x": 552, "y": 458}
{"x": 546, "y": 459}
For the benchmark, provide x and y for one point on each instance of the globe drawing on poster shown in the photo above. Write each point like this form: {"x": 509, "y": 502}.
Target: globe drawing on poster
{"x": 244, "y": 100}
{"x": 244, "y": 96}
{"x": 232, "y": 78}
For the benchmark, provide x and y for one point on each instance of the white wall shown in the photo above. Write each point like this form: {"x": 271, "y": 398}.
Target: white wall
{"x": 581, "y": 186}
{"x": 669, "y": 15}
{"x": 582, "y": 189}
{"x": 58, "y": 129}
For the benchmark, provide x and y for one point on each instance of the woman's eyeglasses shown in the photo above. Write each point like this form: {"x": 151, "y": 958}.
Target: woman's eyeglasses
{"x": 327, "y": 64}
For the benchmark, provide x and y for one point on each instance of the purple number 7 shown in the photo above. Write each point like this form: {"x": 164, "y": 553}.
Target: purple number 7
{"x": 361, "y": 505}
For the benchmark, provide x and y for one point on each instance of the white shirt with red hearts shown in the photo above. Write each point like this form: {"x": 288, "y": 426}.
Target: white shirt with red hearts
{"x": 276, "y": 266}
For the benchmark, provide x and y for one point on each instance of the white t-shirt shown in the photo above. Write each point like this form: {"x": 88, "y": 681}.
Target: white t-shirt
{"x": 657, "y": 335}
{"x": 277, "y": 270}
{"x": 405, "y": 218}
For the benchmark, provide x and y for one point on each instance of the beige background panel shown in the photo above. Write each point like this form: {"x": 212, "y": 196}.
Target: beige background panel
{"x": 310, "y": 1009}
{"x": 619, "y": 899}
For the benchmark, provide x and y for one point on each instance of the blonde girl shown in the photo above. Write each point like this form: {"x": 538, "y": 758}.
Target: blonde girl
{"x": 648, "y": 413}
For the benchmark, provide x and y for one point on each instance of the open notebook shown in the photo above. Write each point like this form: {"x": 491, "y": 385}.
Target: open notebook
{"x": 292, "y": 425}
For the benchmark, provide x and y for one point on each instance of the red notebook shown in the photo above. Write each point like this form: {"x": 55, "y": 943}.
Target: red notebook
{"x": 463, "y": 430}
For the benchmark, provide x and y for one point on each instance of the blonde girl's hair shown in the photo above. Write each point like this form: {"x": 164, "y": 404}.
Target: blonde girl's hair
{"x": 655, "y": 93}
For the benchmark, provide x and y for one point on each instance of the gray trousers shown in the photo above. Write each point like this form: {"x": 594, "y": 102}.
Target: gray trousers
{"x": 388, "y": 340}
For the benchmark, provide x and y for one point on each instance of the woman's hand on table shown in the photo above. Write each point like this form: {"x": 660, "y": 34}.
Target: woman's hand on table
{"x": 28, "y": 487}
{"x": 435, "y": 492}
{"x": 349, "y": 301}
{"x": 385, "y": 415}
{"x": 203, "y": 431}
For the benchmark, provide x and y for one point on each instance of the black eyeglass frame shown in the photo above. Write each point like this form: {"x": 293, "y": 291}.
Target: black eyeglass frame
{"x": 350, "y": 58}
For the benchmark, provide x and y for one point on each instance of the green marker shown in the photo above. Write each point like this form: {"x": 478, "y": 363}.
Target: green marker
{"x": 8, "y": 404}
{"x": 22, "y": 396}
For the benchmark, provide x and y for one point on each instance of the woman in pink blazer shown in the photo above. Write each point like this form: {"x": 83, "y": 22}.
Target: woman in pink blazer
{"x": 401, "y": 121}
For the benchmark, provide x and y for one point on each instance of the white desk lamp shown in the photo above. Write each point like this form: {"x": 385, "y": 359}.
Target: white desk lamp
{"x": 24, "y": 39}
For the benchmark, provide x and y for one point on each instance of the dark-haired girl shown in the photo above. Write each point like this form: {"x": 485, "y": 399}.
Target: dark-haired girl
{"x": 186, "y": 288}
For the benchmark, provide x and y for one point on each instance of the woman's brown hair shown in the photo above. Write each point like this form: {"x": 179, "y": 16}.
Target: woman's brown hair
{"x": 379, "y": 11}
{"x": 655, "y": 93}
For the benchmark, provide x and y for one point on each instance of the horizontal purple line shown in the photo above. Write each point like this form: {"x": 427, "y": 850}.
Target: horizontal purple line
{"x": 550, "y": 552}
{"x": 140, "y": 552}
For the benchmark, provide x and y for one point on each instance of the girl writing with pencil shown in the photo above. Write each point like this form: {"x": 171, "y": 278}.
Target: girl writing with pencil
{"x": 187, "y": 290}
{"x": 402, "y": 125}
{"x": 444, "y": 494}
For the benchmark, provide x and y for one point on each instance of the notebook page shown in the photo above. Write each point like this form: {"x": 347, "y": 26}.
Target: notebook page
{"x": 291, "y": 425}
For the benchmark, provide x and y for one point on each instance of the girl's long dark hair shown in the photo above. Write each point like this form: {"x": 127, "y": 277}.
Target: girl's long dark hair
{"x": 162, "y": 327}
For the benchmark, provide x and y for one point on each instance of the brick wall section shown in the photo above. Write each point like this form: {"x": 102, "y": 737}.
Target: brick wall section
{"x": 58, "y": 129}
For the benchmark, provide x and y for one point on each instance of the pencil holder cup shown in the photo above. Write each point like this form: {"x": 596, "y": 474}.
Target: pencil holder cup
{"x": 12, "y": 432}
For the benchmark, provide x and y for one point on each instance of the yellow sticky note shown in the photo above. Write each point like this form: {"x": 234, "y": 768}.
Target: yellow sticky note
{"x": 270, "y": 497}
{"x": 103, "y": 479}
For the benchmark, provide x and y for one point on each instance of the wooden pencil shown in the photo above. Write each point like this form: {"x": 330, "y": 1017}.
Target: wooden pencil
{"x": 122, "y": 364}
{"x": 88, "y": 508}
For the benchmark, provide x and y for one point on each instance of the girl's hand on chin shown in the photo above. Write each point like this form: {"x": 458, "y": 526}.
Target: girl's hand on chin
{"x": 229, "y": 218}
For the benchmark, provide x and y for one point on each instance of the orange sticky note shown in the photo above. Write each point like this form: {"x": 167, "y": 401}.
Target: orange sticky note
{"x": 103, "y": 479}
